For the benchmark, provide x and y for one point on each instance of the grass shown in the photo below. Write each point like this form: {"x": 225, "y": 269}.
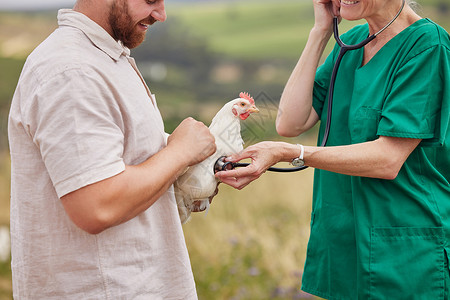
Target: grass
{"x": 252, "y": 243}
{"x": 5, "y": 281}
{"x": 5, "y": 268}
{"x": 5, "y": 167}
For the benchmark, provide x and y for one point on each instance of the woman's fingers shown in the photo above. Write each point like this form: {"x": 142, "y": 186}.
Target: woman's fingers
{"x": 235, "y": 173}
{"x": 241, "y": 177}
{"x": 238, "y": 182}
{"x": 262, "y": 154}
{"x": 336, "y": 8}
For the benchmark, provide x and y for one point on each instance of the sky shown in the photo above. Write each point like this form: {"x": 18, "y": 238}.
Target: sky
{"x": 35, "y": 4}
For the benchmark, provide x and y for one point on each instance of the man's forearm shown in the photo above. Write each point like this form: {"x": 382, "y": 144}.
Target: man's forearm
{"x": 120, "y": 198}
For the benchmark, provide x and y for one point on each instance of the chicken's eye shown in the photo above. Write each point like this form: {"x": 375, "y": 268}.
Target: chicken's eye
{"x": 242, "y": 104}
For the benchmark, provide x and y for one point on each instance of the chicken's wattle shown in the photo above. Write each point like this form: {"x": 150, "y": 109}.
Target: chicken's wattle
{"x": 244, "y": 115}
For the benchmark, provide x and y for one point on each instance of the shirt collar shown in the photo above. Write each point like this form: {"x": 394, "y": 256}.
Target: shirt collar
{"x": 98, "y": 36}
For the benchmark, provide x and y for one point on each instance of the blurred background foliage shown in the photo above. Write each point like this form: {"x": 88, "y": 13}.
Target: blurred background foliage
{"x": 252, "y": 243}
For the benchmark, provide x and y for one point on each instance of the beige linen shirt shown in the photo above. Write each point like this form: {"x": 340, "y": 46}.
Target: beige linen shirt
{"x": 80, "y": 113}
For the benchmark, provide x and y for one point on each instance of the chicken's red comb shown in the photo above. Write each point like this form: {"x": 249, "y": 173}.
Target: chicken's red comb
{"x": 247, "y": 97}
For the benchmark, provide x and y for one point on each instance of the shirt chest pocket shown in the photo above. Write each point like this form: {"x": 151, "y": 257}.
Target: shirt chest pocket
{"x": 364, "y": 124}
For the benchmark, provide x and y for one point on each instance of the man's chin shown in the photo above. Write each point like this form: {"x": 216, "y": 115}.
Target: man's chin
{"x": 134, "y": 41}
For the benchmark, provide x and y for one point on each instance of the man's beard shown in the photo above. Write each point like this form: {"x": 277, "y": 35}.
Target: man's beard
{"x": 122, "y": 25}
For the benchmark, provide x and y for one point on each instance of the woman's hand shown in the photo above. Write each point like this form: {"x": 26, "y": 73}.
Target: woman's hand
{"x": 324, "y": 11}
{"x": 263, "y": 156}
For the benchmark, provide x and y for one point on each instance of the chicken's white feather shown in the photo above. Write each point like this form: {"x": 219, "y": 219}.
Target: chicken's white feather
{"x": 198, "y": 183}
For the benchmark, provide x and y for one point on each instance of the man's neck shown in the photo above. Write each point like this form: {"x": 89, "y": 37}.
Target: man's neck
{"x": 97, "y": 11}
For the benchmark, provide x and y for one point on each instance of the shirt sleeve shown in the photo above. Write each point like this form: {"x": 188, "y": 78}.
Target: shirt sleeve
{"x": 78, "y": 128}
{"x": 418, "y": 104}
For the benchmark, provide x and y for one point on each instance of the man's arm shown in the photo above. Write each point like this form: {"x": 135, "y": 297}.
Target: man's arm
{"x": 117, "y": 199}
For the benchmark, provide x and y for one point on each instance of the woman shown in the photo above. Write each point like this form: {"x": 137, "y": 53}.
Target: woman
{"x": 380, "y": 226}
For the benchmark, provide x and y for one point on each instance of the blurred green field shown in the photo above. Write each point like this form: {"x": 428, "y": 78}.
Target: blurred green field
{"x": 252, "y": 243}
{"x": 267, "y": 29}
{"x": 243, "y": 29}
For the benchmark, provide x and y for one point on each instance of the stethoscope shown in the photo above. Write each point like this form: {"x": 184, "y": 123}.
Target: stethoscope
{"x": 222, "y": 165}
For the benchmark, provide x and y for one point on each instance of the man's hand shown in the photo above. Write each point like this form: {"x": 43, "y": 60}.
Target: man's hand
{"x": 193, "y": 141}
{"x": 122, "y": 197}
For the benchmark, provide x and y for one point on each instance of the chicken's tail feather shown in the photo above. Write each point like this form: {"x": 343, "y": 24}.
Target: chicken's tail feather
{"x": 183, "y": 211}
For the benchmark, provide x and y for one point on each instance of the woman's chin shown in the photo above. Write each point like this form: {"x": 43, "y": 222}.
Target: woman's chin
{"x": 349, "y": 16}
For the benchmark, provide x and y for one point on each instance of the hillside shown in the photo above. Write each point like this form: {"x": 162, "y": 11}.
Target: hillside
{"x": 206, "y": 52}
{"x": 269, "y": 29}
{"x": 250, "y": 29}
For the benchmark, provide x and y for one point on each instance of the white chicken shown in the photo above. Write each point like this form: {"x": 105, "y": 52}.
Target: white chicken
{"x": 198, "y": 183}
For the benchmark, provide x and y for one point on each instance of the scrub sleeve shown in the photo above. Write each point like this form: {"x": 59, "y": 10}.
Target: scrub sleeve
{"x": 385, "y": 239}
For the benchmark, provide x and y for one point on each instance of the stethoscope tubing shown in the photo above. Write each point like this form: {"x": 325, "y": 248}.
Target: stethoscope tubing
{"x": 344, "y": 48}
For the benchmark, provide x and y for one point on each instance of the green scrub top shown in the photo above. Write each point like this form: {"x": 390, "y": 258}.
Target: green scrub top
{"x": 374, "y": 238}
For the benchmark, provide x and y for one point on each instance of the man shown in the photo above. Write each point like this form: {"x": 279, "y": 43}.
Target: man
{"x": 93, "y": 215}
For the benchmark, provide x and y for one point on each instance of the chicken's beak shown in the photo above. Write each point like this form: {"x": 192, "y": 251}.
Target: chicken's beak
{"x": 253, "y": 109}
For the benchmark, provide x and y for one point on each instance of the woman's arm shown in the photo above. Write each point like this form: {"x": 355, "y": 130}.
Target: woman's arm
{"x": 295, "y": 113}
{"x": 382, "y": 158}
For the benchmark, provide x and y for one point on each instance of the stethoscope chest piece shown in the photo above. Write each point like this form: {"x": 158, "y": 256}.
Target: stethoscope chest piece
{"x": 222, "y": 165}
